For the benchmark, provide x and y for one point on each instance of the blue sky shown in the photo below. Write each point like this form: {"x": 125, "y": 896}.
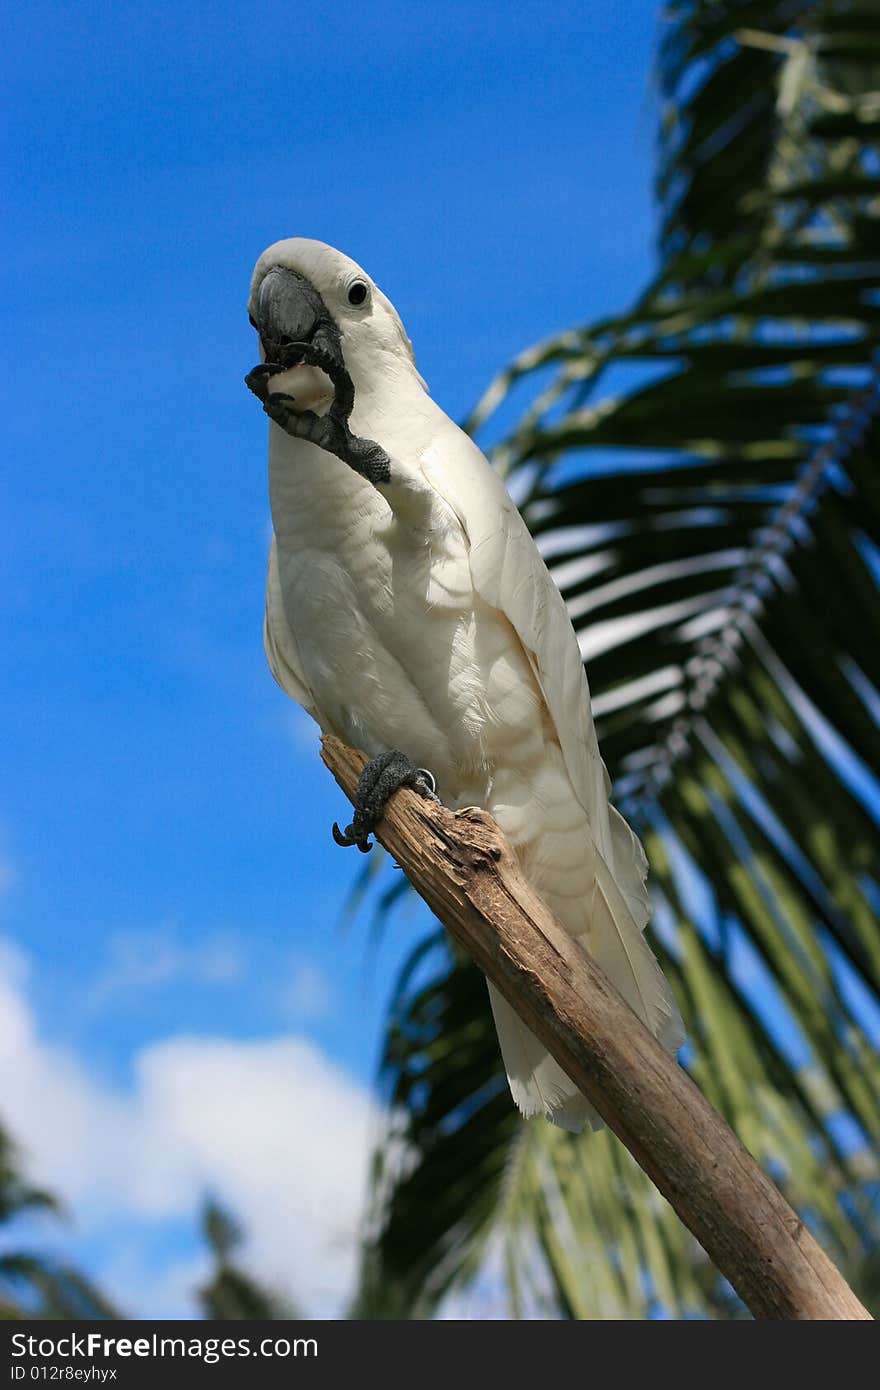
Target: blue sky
{"x": 170, "y": 892}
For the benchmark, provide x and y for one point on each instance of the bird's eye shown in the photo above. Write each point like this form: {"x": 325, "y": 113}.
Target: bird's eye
{"x": 357, "y": 292}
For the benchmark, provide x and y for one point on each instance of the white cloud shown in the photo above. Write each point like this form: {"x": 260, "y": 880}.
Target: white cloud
{"x": 306, "y": 995}
{"x": 271, "y": 1127}
{"x": 139, "y": 960}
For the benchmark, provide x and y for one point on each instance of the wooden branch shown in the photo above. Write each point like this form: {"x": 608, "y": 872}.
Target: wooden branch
{"x": 468, "y": 875}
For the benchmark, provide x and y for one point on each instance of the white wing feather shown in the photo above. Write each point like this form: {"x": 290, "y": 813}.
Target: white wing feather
{"x": 509, "y": 573}
{"x": 279, "y": 642}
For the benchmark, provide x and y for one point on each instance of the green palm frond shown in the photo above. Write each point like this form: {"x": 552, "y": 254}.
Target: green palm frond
{"x": 231, "y": 1293}
{"x": 701, "y": 475}
{"x": 33, "y": 1285}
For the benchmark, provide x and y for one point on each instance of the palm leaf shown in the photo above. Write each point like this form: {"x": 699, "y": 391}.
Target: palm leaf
{"x": 700, "y": 474}
{"x": 231, "y": 1293}
{"x": 33, "y": 1285}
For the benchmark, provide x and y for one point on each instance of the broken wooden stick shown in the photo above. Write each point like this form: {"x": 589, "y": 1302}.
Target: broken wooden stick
{"x": 462, "y": 866}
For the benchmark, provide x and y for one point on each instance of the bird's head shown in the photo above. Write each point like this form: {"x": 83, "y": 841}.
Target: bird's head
{"x": 306, "y": 293}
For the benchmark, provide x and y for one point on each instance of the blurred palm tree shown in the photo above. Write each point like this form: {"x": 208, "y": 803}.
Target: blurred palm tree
{"x": 230, "y": 1293}
{"x": 700, "y": 474}
{"x": 38, "y": 1286}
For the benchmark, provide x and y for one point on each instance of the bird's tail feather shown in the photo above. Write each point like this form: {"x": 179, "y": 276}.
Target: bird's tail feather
{"x": 537, "y": 1082}
{"x": 620, "y": 949}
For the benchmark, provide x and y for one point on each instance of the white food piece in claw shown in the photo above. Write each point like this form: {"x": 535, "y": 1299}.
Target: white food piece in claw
{"x": 310, "y": 387}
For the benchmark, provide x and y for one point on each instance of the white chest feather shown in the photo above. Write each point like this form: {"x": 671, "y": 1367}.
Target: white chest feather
{"x": 394, "y": 645}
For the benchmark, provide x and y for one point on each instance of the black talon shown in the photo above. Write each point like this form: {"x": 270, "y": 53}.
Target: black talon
{"x": 379, "y": 780}
{"x": 331, "y": 431}
{"x": 257, "y": 379}
{"x": 347, "y": 838}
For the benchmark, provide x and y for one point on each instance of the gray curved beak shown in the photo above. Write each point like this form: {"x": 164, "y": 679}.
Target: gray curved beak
{"x": 288, "y": 310}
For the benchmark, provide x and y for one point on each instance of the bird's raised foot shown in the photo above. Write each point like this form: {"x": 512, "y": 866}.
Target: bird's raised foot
{"x": 326, "y": 431}
{"x": 380, "y": 778}
{"x": 324, "y": 352}
{"x": 257, "y": 380}
{"x": 329, "y": 432}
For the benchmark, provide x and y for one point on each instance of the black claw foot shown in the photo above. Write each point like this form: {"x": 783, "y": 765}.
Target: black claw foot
{"x": 330, "y": 432}
{"x": 258, "y": 380}
{"x": 380, "y": 778}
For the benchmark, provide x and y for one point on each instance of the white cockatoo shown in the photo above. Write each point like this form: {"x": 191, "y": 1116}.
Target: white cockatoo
{"x": 409, "y": 611}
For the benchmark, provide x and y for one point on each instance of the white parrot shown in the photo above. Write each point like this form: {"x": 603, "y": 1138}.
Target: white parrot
{"x": 408, "y": 608}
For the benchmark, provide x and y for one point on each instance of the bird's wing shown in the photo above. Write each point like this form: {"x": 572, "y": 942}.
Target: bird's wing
{"x": 280, "y": 643}
{"x": 509, "y": 573}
